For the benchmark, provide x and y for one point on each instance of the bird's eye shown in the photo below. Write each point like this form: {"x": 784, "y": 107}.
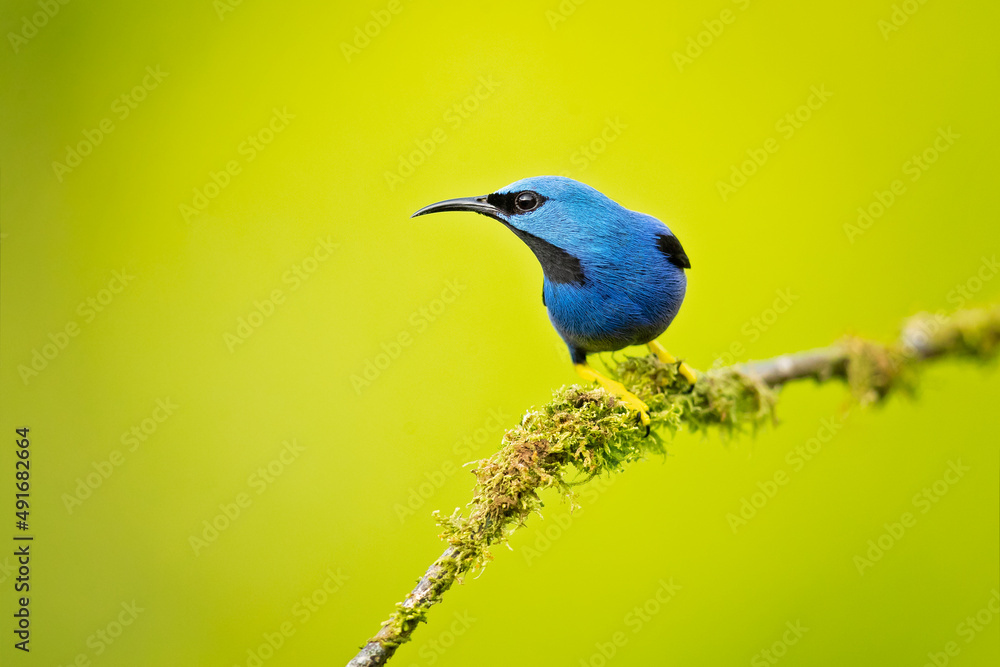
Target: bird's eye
{"x": 527, "y": 201}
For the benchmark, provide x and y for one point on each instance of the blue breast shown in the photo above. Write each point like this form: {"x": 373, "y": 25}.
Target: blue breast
{"x": 628, "y": 297}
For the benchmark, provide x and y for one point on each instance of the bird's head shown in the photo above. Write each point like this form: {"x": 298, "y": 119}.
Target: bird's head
{"x": 568, "y": 225}
{"x": 548, "y": 211}
{"x": 544, "y": 206}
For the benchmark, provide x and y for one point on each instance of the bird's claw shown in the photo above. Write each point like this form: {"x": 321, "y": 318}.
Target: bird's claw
{"x": 633, "y": 402}
{"x": 618, "y": 390}
{"x": 687, "y": 373}
{"x": 665, "y": 357}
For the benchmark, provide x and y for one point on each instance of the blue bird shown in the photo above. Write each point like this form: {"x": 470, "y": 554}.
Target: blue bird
{"x": 613, "y": 277}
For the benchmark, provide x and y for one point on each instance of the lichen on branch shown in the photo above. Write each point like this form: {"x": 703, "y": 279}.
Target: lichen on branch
{"x": 585, "y": 432}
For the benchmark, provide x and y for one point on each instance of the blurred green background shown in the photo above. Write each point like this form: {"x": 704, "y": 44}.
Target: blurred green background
{"x": 328, "y": 365}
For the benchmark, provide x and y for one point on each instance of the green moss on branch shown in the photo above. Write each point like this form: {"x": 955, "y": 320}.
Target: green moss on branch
{"x": 585, "y": 432}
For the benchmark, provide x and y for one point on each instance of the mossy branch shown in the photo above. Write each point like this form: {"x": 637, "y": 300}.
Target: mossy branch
{"x": 584, "y": 432}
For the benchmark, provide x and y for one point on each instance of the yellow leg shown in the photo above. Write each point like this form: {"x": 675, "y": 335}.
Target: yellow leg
{"x": 618, "y": 389}
{"x": 667, "y": 358}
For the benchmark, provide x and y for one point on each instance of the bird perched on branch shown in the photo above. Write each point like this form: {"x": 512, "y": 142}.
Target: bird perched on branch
{"x": 613, "y": 277}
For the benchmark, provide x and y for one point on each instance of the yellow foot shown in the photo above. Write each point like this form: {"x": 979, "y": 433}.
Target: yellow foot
{"x": 630, "y": 400}
{"x": 667, "y": 358}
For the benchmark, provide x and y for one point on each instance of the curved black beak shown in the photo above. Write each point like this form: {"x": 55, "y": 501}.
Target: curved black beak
{"x": 474, "y": 204}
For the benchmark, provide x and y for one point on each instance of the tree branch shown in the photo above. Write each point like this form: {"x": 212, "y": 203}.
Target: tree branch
{"x": 584, "y": 432}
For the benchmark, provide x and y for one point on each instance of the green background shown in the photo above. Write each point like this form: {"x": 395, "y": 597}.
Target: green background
{"x": 570, "y": 583}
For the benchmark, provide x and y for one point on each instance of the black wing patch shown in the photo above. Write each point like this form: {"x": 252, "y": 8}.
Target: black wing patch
{"x": 671, "y": 247}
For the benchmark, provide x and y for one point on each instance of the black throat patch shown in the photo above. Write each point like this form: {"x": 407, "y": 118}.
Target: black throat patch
{"x": 558, "y": 265}
{"x": 671, "y": 247}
